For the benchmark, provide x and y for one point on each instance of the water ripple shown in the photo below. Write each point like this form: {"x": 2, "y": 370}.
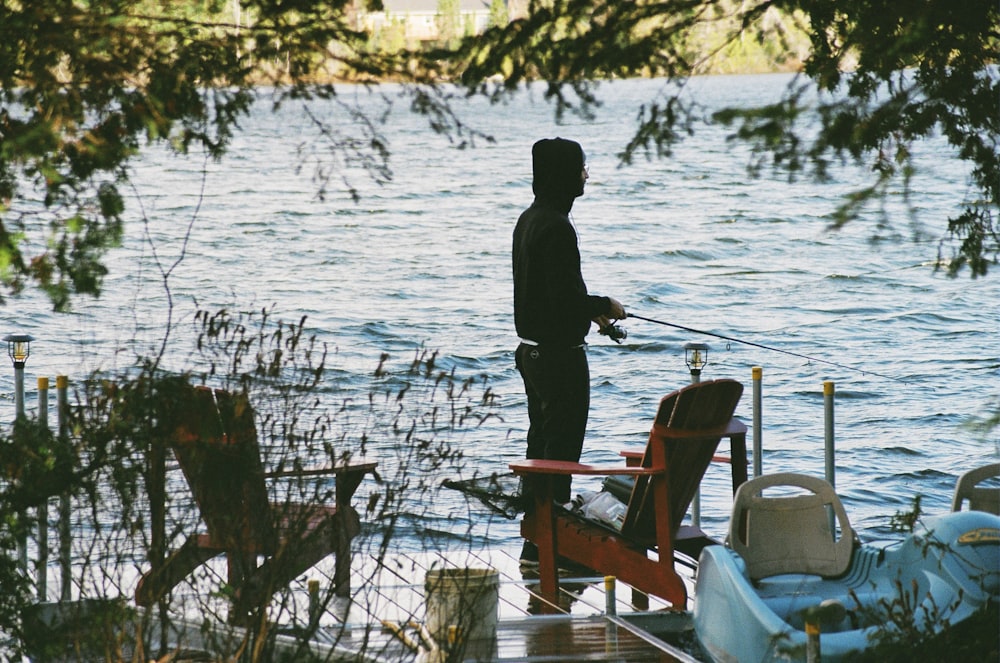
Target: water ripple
{"x": 422, "y": 262}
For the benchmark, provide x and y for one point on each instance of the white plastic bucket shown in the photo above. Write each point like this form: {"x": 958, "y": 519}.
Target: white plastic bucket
{"x": 466, "y": 599}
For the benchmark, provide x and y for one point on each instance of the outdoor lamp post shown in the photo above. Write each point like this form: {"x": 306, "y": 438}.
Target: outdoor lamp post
{"x": 19, "y": 349}
{"x": 696, "y": 358}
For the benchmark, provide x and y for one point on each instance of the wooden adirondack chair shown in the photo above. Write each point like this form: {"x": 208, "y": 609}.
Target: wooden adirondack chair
{"x": 689, "y": 424}
{"x": 215, "y": 442}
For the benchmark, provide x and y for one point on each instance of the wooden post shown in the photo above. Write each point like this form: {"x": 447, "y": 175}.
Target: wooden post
{"x": 65, "y": 508}
{"x": 156, "y": 479}
{"x": 42, "y": 567}
{"x": 548, "y": 545}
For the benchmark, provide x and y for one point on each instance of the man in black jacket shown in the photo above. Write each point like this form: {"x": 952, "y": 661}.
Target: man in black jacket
{"x": 553, "y": 310}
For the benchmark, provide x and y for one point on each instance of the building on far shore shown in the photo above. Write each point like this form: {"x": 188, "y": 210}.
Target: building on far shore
{"x": 421, "y": 20}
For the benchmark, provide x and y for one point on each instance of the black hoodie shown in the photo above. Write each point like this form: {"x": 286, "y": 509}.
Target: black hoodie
{"x": 551, "y": 304}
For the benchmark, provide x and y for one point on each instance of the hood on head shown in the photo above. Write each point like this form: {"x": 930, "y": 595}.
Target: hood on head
{"x": 556, "y": 165}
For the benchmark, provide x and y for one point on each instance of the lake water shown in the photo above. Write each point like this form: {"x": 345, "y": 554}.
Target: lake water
{"x": 423, "y": 262}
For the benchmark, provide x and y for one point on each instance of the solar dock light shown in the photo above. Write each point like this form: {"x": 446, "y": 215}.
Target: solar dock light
{"x": 696, "y": 358}
{"x": 19, "y": 349}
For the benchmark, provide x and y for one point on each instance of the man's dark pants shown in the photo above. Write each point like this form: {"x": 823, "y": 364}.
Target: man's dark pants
{"x": 557, "y": 384}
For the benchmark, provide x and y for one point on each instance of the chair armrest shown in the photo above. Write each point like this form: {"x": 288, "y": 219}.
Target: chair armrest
{"x": 345, "y": 468}
{"x": 349, "y": 477}
{"x": 733, "y": 427}
{"x": 635, "y": 457}
{"x": 632, "y": 458}
{"x": 563, "y": 467}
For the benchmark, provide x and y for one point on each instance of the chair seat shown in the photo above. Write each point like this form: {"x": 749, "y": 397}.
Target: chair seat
{"x": 301, "y": 521}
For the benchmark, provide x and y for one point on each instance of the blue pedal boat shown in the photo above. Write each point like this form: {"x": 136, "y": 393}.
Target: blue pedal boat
{"x": 792, "y": 567}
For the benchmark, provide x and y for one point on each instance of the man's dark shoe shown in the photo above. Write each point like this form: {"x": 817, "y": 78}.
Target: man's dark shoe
{"x": 571, "y": 569}
{"x": 567, "y": 567}
{"x": 529, "y": 555}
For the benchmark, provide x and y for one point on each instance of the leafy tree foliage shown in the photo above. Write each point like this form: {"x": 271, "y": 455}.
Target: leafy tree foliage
{"x": 449, "y": 21}
{"x": 84, "y": 86}
{"x": 410, "y": 417}
{"x": 498, "y": 13}
{"x": 922, "y": 68}
{"x": 887, "y": 72}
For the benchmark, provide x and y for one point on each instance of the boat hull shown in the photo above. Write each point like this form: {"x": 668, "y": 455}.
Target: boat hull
{"x": 937, "y": 576}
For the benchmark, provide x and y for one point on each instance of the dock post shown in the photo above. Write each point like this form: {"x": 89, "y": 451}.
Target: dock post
{"x": 65, "y": 509}
{"x": 758, "y": 446}
{"x": 830, "y": 612}
{"x": 610, "y": 606}
{"x": 828, "y": 392}
{"x": 42, "y": 567}
{"x": 611, "y": 611}
{"x": 314, "y": 603}
{"x": 813, "y": 652}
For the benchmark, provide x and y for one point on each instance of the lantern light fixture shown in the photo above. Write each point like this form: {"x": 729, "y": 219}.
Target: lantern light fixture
{"x": 696, "y": 358}
{"x": 19, "y": 348}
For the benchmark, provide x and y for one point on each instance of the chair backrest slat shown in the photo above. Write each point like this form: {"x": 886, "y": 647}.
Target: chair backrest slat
{"x": 703, "y": 405}
{"x": 215, "y": 442}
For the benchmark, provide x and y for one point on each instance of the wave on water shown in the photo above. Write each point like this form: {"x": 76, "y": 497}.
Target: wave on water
{"x": 422, "y": 263}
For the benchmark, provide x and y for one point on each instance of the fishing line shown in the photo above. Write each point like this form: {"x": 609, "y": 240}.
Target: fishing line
{"x": 763, "y": 347}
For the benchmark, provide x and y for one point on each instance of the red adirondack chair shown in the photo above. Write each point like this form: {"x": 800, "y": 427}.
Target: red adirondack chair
{"x": 215, "y": 441}
{"x": 689, "y": 424}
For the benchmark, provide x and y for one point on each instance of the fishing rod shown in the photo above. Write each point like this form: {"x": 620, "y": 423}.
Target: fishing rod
{"x": 757, "y": 345}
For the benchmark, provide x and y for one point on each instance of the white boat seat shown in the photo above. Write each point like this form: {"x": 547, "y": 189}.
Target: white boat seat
{"x": 790, "y": 533}
{"x": 980, "y": 498}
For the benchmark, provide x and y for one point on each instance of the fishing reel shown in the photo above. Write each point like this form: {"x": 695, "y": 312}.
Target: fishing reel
{"x": 614, "y": 332}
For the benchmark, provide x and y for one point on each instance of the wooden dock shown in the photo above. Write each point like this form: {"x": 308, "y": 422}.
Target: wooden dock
{"x": 385, "y": 620}
{"x": 386, "y": 624}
